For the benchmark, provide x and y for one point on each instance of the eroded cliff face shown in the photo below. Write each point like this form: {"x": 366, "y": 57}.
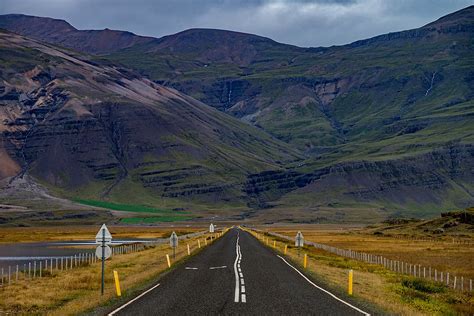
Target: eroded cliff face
{"x": 426, "y": 179}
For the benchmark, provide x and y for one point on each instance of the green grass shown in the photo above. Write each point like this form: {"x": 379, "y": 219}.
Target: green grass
{"x": 122, "y": 207}
{"x": 155, "y": 219}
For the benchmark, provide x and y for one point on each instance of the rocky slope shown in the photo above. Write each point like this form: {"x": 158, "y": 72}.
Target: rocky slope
{"x": 98, "y": 130}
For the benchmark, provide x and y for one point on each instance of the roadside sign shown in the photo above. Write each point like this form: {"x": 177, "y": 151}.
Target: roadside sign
{"x": 107, "y": 252}
{"x": 103, "y": 252}
{"x": 211, "y": 228}
{"x": 299, "y": 240}
{"x": 103, "y": 236}
{"x": 174, "y": 240}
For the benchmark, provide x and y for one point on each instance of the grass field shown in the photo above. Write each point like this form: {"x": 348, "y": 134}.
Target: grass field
{"x": 442, "y": 255}
{"x": 123, "y": 207}
{"x": 61, "y": 233}
{"x": 153, "y": 219}
{"x": 77, "y": 291}
{"x": 390, "y": 292}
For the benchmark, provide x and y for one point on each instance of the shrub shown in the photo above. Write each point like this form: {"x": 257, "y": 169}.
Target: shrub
{"x": 424, "y": 286}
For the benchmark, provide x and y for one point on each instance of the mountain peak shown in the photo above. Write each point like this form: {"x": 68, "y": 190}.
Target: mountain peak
{"x": 461, "y": 17}
{"x": 62, "y": 33}
{"x": 32, "y": 25}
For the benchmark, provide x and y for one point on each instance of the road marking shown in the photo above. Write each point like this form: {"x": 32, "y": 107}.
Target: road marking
{"x": 236, "y": 297}
{"x": 325, "y": 291}
{"x": 189, "y": 268}
{"x": 239, "y": 290}
{"x": 130, "y": 302}
{"x": 221, "y": 267}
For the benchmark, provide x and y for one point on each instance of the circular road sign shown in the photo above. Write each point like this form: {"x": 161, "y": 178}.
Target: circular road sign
{"x": 107, "y": 252}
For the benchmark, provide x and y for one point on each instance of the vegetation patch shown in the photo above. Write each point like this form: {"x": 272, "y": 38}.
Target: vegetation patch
{"x": 154, "y": 219}
{"x": 424, "y": 286}
{"x": 122, "y": 207}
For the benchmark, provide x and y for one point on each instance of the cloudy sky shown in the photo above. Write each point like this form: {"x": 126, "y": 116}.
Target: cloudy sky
{"x": 298, "y": 22}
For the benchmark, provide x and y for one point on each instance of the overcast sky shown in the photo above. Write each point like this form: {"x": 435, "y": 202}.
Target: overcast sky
{"x": 298, "y": 22}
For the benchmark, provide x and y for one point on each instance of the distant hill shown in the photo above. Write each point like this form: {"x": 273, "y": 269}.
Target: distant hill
{"x": 62, "y": 33}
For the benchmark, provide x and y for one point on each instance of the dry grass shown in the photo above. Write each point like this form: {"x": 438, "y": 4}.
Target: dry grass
{"x": 441, "y": 255}
{"x": 75, "y": 291}
{"x": 60, "y": 233}
{"x": 376, "y": 285}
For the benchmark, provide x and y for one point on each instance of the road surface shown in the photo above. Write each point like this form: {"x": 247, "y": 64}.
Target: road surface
{"x": 236, "y": 275}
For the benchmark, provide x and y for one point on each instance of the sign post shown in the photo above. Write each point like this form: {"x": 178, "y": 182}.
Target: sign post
{"x": 299, "y": 241}
{"x": 103, "y": 251}
{"x": 174, "y": 243}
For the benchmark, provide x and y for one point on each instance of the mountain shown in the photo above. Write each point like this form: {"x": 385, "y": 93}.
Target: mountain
{"x": 61, "y": 33}
{"x": 385, "y": 123}
{"x": 92, "y": 130}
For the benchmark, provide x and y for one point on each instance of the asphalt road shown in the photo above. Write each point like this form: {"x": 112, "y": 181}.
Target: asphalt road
{"x": 236, "y": 275}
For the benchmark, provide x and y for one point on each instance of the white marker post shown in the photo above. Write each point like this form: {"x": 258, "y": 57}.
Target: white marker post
{"x": 174, "y": 243}
{"x": 103, "y": 251}
{"x": 211, "y": 228}
{"x": 299, "y": 241}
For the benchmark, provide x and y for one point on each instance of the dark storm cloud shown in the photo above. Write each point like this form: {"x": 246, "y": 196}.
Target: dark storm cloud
{"x": 299, "y": 22}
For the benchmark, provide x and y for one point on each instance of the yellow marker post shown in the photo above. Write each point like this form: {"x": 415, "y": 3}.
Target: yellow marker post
{"x": 286, "y": 248}
{"x": 168, "y": 260}
{"x": 199, "y": 243}
{"x": 117, "y": 283}
{"x": 274, "y": 244}
{"x": 189, "y": 250}
{"x": 205, "y": 241}
{"x": 349, "y": 287}
{"x": 305, "y": 261}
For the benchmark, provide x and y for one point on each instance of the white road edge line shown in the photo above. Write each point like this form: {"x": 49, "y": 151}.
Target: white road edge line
{"x": 237, "y": 294}
{"x": 320, "y": 288}
{"x": 130, "y": 302}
